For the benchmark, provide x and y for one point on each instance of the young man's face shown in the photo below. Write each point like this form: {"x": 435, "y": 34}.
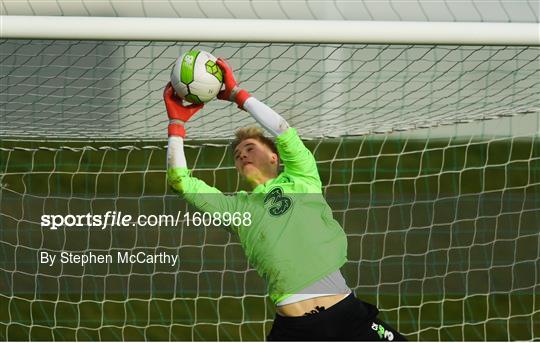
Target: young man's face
{"x": 255, "y": 161}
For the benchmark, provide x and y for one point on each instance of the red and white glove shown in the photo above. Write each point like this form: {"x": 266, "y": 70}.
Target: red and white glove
{"x": 177, "y": 112}
{"x": 231, "y": 92}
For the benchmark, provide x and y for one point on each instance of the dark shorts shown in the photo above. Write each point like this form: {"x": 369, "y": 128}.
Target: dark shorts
{"x": 349, "y": 320}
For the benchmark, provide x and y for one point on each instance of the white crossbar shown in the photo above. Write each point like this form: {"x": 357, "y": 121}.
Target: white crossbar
{"x": 273, "y": 31}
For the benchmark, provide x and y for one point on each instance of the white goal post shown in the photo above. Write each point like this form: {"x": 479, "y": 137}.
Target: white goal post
{"x": 268, "y": 30}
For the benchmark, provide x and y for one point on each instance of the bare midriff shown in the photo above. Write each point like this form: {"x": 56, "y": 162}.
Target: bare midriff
{"x": 304, "y": 307}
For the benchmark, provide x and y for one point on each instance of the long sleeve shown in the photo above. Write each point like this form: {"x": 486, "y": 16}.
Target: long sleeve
{"x": 296, "y": 158}
{"x": 267, "y": 117}
{"x": 194, "y": 190}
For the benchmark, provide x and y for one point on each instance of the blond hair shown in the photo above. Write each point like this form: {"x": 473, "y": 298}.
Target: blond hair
{"x": 252, "y": 132}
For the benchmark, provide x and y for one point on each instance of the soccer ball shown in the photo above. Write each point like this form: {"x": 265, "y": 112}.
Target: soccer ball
{"x": 196, "y": 77}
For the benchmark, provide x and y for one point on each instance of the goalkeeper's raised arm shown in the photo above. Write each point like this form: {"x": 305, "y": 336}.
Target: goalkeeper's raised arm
{"x": 296, "y": 158}
{"x": 196, "y": 191}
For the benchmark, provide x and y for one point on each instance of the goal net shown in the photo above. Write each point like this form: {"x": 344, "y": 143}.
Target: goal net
{"x": 113, "y": 90}
{"x": 429, "y": 156}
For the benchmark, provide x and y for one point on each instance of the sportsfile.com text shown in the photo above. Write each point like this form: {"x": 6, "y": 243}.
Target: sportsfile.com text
{"x": 117, "y": 219}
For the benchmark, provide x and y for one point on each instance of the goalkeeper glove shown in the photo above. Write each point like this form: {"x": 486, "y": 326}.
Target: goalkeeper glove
{"x": 231, "y": 92}
{"x": 177, "y": 112}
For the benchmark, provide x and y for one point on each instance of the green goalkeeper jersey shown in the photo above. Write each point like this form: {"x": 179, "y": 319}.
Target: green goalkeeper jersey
{"x": 293, "y": 240}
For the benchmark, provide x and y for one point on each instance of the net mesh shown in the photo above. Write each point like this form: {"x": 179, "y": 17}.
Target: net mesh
{"x": 113, "y": 90}
{"x": 442, "y": 236}
{"x": 421, "y": 10}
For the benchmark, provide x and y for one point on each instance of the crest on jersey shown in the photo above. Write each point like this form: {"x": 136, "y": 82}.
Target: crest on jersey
{"x": 279, "y": 203}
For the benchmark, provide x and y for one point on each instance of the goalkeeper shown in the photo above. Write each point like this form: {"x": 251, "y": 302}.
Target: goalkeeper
{"x": 293, "y": 240}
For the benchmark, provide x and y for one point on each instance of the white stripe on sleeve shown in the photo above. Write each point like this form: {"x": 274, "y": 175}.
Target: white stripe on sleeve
{"x": 266, "y": 116}
{"x": 175, "y": 153}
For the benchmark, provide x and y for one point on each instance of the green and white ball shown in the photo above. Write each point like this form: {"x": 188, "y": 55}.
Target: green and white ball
{"x": 196, "y": 77}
